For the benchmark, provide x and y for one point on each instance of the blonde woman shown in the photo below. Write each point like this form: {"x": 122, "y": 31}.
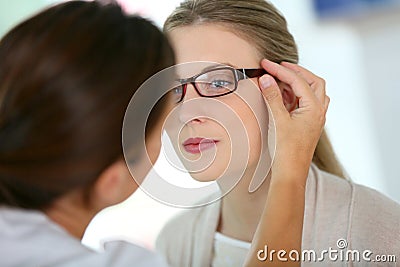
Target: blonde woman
{"x": 305, "y": 201}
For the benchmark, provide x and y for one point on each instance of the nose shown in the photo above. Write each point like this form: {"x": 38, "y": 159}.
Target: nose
{"x": 190, "y": 109}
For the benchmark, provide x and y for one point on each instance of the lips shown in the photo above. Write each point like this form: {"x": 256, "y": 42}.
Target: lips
{"x": 198, "y": 144}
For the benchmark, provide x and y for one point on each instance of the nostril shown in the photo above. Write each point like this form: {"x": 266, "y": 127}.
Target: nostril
{"x": 195, "y": 121}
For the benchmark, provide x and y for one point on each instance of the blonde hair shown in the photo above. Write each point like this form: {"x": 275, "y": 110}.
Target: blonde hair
{"x": 260, "y": 23}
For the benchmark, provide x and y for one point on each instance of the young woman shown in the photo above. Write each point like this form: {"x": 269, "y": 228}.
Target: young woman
{"x": 66, "y": 77}
{"x": 305, "y": 201}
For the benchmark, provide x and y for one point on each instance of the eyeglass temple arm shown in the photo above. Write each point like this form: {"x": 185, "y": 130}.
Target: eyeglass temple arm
{"x": 251, "y": 73}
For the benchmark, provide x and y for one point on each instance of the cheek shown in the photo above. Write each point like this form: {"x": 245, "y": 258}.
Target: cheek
{"x": 131, "y": 185}
{"x": 153, "y": 149}
{"x": 253, "y": 133}
{"x": 254, "y": 118}
{"x": 153, "y": 145}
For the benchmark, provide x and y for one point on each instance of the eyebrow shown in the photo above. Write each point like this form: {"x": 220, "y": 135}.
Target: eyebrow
{"x": 212, "y": 67}
{"x": 219, "y": 65}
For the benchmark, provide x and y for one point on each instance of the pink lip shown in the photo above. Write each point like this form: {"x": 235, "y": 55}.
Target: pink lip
{"x": 198, "y": 144}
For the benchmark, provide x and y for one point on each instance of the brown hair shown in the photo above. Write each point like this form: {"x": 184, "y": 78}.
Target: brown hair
{"x": 66, "y": 77}
{"x": 260, "y": 23}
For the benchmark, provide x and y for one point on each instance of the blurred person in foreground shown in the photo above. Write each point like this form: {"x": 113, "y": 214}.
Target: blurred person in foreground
{"x": 67, "y": 75}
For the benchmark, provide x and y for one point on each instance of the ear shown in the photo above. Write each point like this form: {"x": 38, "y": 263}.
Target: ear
{"x": 114, "y": 185}
{"x": 288, "y": 96}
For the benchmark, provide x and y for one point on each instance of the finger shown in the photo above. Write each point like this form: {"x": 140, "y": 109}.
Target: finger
{"x": 326, "y": 104}
{"x": 320, "y": 93}
{"x": 299, "y": 86}
{"x": 317, "y": 84}
{"x": 310, "y": 77}
{"x": 272, "y": 94}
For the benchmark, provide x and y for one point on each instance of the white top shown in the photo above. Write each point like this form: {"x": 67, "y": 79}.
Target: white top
{"x": 30, "y": 238}
{"x": 335, "y": 209}
{"x": 229, "y": 251}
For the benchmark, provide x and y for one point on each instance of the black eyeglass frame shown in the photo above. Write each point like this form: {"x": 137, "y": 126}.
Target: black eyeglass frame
{"x": 239, "y": 74}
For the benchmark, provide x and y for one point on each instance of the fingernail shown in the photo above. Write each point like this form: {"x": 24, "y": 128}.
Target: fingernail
{"x": 265, "y": 82}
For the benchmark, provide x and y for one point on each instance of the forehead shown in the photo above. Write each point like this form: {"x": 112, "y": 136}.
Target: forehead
{"x": 215, "y": 43}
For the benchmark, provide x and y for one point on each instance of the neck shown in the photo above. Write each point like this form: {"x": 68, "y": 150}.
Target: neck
{"x": 70, "y": 213}
{"x": 241, "y": 210}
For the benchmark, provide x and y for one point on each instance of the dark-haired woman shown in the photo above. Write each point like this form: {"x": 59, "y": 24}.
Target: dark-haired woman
{"x": 66, "y": 77}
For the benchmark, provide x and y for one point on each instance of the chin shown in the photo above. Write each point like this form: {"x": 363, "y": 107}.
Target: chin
{"x": 202, "y": 178}
{"x": 207, "y": 175}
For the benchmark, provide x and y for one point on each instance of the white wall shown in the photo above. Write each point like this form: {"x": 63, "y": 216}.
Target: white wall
{"x": 381, "y": 56}
{"x": 11, "y": 12}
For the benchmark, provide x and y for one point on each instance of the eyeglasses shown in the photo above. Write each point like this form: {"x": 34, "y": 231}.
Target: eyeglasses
{"x": 215, "y": 82}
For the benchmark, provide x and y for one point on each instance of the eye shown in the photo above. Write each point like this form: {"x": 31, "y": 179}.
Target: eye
{"x": 219, "y": 84}
{"x": 177, "y": 90}
{"x": 176, "y": 93}
{"x": 216, "y": 82}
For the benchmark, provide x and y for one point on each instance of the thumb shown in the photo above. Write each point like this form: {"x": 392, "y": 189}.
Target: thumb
{"x": 272, "y": 94}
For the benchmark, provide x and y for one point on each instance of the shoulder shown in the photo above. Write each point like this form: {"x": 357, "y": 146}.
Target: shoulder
{"x": 190, "y": 228}
{"x": 325, "y": 186}
{"x": 327, "y": 195}
{"x": 31, "y": 235}
{"x": 365, "y": 216}
{"x": 361, "y": 200}
{"x": 328, "y": 188}
{"x": 375, "y": 221}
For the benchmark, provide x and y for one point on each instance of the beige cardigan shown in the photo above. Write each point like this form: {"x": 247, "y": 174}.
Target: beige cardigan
{"x": 335, "y": 209}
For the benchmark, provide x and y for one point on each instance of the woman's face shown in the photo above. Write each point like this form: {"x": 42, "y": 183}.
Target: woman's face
{"x": 208, "y": 131}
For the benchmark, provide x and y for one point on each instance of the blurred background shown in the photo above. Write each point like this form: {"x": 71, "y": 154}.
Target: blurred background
{"x": 353, "y": 44}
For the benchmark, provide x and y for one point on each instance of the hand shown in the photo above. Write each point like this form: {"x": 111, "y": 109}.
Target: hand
{"x": 298, "y": 131}
{"x": 297, "y": 135}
